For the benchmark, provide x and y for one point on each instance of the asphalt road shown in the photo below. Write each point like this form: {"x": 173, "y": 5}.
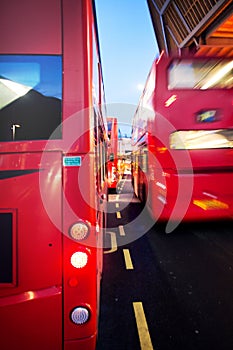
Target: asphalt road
{"x": 165, "y": 292}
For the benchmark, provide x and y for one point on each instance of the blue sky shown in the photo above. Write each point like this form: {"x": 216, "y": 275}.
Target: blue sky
{"x": 128, "y": 48}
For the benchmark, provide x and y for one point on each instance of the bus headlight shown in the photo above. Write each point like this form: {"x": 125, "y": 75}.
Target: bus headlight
{"x": 80, "y": 315}
{"x": 202, "y": 139}
{"x": 79, "y": 259}
{"x": 79, "y": 231}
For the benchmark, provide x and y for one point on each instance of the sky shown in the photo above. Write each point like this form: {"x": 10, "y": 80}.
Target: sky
{"x": 128, "y": 48}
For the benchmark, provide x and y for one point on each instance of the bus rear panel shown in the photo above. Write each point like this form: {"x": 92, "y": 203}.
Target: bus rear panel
{"x": 52, "y": 174}
{"x": 112, "y": 164}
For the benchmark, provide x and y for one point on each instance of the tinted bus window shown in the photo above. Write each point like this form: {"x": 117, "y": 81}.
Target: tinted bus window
{"x": 6, "y": 242}
{"x": 30, "y": 97}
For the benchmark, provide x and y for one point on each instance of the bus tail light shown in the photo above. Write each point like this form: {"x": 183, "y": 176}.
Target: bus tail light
{"x": 79, "y": 259}
{"x": 80, "y": 315}
{"x": 79, "y": 231}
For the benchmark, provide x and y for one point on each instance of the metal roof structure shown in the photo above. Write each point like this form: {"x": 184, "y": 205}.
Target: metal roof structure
{"x": 203, "y": 27}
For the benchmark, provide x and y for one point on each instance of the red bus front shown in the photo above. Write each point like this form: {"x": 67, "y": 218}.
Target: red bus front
{"x": 52, "y": 174}
{"x": 183, "y": 139}
{"x": 191, "y": 139}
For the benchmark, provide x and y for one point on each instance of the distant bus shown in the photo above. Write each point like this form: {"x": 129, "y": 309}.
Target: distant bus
{"x": 112, "y": 163}
{"x": 53, "y": 144}
{"x": 183, "y": 139}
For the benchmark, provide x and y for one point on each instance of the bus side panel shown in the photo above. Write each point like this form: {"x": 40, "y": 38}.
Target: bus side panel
{"x": 82, "y": 344}
{"x": 33, "y": 324}
{"x": 36, "y": 24}
{"x": 31, "y": 300}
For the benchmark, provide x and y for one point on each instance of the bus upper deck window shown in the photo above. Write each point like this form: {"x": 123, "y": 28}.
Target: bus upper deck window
{"x": 30, "y": 97}
{"x": 200, "y": 74}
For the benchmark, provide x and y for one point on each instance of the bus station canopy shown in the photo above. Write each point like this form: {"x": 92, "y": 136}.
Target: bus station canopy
{"x": 203, "y": 27}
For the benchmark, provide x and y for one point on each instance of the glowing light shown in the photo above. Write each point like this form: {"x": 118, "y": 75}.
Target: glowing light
{"x": 79, "y": 260}
{"x": 13, "y": 128}
{"x": 202, "y": 139}
{"x": 161, "y": 149}
{"x": 30, "y": 295}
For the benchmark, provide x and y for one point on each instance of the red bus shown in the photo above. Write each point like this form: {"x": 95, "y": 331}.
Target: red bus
{"x": 183, "y": 139}
{"x": 52, "y": 176}
{"x": 112, "y": 164}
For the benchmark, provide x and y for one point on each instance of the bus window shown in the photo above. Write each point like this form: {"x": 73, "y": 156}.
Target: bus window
{"x": 30, "y": 97}
{"x": 200, "y": 74}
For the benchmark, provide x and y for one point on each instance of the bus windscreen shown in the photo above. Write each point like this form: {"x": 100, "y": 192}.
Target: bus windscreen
{"x": 200, "y": 74}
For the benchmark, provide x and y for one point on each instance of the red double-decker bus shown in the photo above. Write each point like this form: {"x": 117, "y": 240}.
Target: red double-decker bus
{"x": 183, "y": 139}
{"x": 112, "y": 163}
{"x": 52, "y": 175}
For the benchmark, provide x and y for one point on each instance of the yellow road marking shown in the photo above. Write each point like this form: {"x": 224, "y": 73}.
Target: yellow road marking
{"x": 121, "y": 230}
{"x": 117, "y": 205}
{"x": 118, "y": 214}
{"x": 143, "y": 331}
{"x": 128, "y": 261}
{"x": 113, "y": 243}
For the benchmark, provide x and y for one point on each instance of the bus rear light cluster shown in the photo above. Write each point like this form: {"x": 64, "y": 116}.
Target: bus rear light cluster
{"x": 79, "y": 231}
{"x": 80, "y": 315}
{"x": 79, "y": 259}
